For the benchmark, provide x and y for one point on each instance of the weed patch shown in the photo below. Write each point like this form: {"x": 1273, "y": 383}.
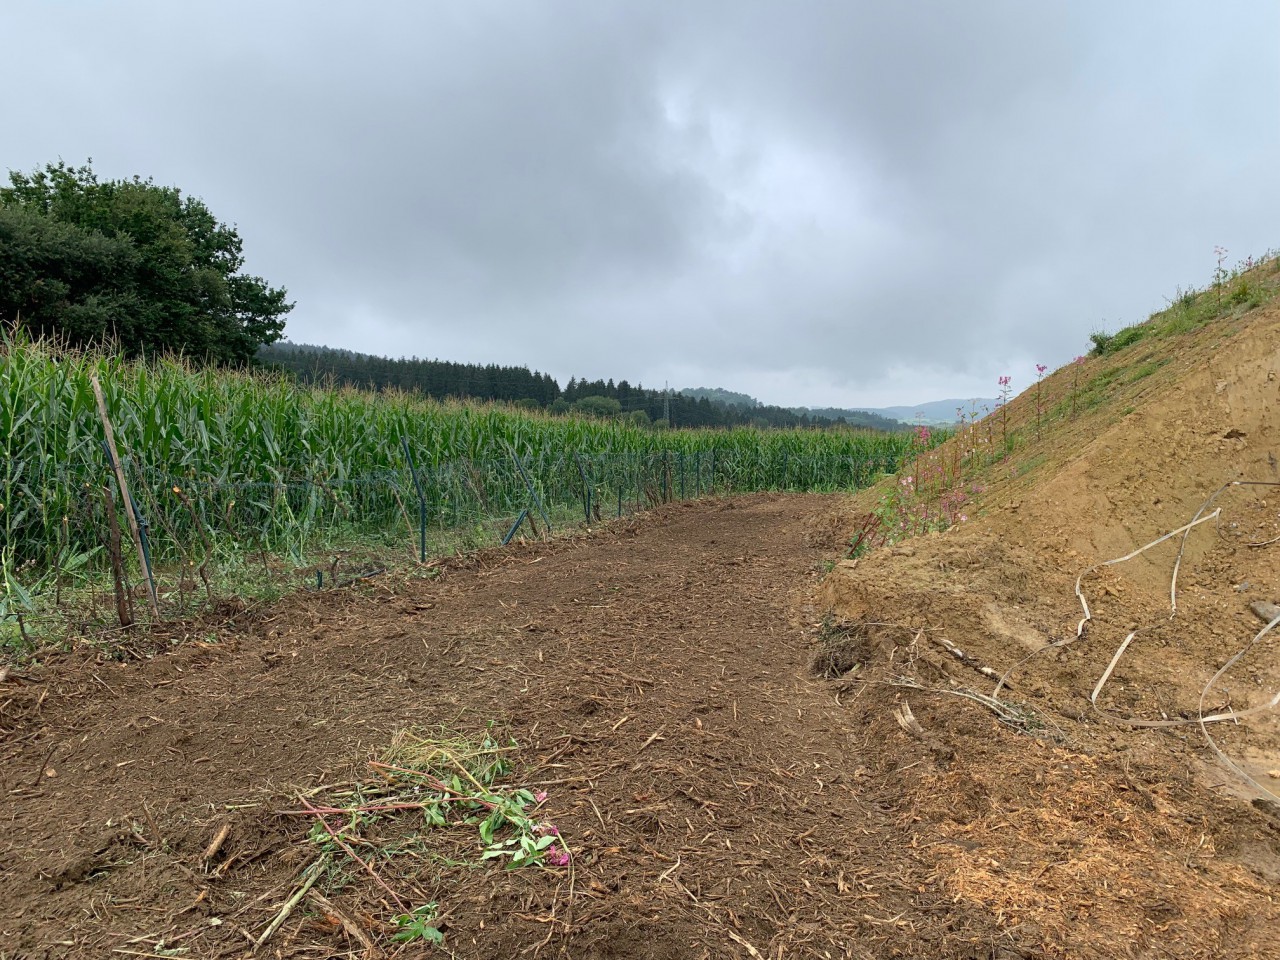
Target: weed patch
{"x": 1248, "y": 285}
{"x": 439, "y": 798}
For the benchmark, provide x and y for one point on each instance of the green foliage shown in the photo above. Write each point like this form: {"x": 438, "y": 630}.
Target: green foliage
{"x": 1107, "y": 343}
{"x": 1250, "y": 284}
{"x": 232, "y": 465}
{"x": 1144, "y": 370}
{"x": 1240, "y": 293}
{"x": 604, "y": 408}
{"x": 457, "y": 781}
{"x": 419, "y": 924}
{"x": 130, "y": 262}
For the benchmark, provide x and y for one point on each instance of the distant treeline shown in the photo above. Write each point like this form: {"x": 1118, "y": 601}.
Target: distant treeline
{"x": 441, "y": 379}
{"x": 746, "y": 402}
{"x": 431, "y": 378}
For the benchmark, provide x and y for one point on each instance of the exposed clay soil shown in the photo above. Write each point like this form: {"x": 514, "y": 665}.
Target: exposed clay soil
{"x": 722, "y": 728}
{"x": 1171, "y": 852}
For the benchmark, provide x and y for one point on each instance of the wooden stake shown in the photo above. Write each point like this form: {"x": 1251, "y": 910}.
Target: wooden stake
{"x": 117, "y": 563}
{"x": 124, "y": 494}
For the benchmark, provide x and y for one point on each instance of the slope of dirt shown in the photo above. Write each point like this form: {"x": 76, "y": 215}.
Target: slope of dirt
{"x": 1114, "y": 841}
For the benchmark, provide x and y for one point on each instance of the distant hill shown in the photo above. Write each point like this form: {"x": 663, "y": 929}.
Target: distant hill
{"x": 520, "y": 385}
{"x": 433, "y": 378}
{"x": 935, "y": 412}
{"x": 745, "y": 403}
{"x": 871, "y": 419}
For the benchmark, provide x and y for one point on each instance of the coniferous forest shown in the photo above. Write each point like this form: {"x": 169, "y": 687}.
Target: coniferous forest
{"x": 441, "y": 379}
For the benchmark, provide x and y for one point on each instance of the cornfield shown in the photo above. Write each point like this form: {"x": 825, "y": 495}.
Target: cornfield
{"x": 234, "y": 461}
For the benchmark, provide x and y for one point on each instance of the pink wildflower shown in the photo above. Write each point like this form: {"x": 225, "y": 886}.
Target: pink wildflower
{"x": 557, "y": 857}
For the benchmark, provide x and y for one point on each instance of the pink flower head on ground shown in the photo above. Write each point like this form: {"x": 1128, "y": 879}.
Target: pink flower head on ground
{"x": 557, "y": 857}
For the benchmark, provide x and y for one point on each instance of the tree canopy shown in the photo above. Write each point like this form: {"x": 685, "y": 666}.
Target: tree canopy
{"x": 131, "y": 262}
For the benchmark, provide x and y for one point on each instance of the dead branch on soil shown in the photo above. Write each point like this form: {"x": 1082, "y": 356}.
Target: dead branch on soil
{"x": 1202, "y": 720}
{"x": 965, "y": 658}
{"x": 353, "y": 929}
{"x": 1019, "y": 718}
{"x": 215, "y": 844}
{"x": 309, "y": 876}
{"x": 907, "y": 721}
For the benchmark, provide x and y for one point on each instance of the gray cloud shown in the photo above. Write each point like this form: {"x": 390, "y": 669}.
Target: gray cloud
{"x": 834, "y": 203}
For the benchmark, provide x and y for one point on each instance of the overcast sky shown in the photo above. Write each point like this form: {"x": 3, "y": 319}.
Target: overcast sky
{"x": 826, "y": 203}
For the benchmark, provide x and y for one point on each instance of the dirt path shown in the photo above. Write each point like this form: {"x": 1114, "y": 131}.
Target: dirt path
{"x": 718, "y": 799}
{"x": 711, "y": 792}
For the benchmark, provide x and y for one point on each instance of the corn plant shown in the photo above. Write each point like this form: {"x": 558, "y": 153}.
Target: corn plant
{"x": 225, "y": 464}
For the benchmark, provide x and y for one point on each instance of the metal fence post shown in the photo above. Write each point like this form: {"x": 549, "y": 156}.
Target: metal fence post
{"x": 586, "y": 489}
{"x": 422, "y": 501}
{"x": 528, "y": 482}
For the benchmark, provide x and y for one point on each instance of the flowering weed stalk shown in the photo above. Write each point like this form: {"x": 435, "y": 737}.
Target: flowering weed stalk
{"x": 1076, "y": 364}
{"x": 928, "y": 499}
{"x": 1005, "y": 391}
{"x": 1040, "y": 369}
{"x": 1220, "y": 275}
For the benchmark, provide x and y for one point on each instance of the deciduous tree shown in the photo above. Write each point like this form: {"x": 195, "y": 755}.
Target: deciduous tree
{"x": 131, "y": 262}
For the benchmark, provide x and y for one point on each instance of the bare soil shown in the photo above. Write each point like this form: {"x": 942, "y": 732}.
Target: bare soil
{"x": 1125, "y": 839}
{"x": 713, "y": 793}
{"x": 720, "y": 799}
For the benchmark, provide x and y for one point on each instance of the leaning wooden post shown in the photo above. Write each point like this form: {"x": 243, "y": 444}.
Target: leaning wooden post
{"x": 124, "y": 494}
{"x": 117, "y": 562}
